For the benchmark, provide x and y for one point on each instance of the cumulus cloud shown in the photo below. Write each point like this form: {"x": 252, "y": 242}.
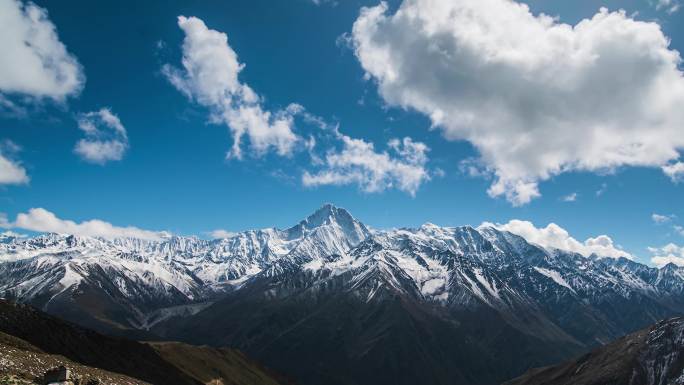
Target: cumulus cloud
{"x": 660, "y": 219}
{"x": 11, "y": 171}
{"x": 675, "y": 171}
{"x": 556, "y": 237}
{"x": 357, "y": 162}
{"x": 105, "y": 137}
{"x": 41, "y": 220}
{"x": 536, "y": 97}
{"x": 570, "y": 197}
{"x": 220, "y": 234}
{"x": 34, "y": 61}
{"x": 210, "y": 77}
{"x": 669, "y": 253}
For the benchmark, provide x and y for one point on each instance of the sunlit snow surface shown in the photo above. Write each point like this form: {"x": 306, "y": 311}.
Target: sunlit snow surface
{"x": 554, "y": 275}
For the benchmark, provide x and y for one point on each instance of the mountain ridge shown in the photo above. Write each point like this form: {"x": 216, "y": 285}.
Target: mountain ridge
{"x": 187, "y": 270}
{"x": 260, "y": 291}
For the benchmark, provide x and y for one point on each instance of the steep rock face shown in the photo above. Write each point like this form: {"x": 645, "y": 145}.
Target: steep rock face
{"x": 652, "y": 356}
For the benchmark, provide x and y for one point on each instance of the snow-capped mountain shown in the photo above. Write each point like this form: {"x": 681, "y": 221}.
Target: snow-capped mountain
{"x": 272, "y": 279}
{"x": 138, "y": 278}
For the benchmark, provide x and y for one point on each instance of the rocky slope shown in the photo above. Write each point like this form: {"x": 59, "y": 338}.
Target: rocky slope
{"x": 22, "y": 364}
{"x": 217, "y": 366}
{"x": 32, "y": 342}
{"x": 652, "y": 356}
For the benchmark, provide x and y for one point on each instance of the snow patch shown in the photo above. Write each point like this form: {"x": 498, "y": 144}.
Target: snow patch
{"x": 555, "y": 276}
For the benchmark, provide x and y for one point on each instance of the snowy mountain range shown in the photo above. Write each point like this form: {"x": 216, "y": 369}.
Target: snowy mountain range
{"x": 183, "y": 287}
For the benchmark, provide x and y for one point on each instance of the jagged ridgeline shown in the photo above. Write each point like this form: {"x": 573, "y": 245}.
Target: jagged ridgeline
{"x": 331, "y": 301}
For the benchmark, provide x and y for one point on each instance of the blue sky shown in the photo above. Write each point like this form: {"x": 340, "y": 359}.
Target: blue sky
{"x": 173, "y": 173}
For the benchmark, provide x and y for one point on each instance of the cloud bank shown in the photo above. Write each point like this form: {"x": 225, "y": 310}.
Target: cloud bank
{"x": 555, "y": 237}
{"x": 221, "y": 234}
{"x": 534, "y": 96}
{"x": 41, "y": 220}
{"x": 669, "y": 253}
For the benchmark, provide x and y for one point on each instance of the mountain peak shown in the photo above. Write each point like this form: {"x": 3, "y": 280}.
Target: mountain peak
{"x": 670, "y": 267}
{"x": 326, "y": 215}
{"x": 329, "y": 215}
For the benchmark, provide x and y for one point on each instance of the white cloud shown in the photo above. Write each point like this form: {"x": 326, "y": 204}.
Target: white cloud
{"x": 41, "y": 220}
{"x": 12, "y": 234}
{"x": 11, "y": 171}
{"x": 536, "y": 97}
{"x": 570, "y": 197}
{"x": 34, "y": 61}
{"x": 556, "y": 237}
{"x": 220, "y": 234}
{"x": 670, "y": 253}
{"x": 359, "y": 163}
{"x": 669, "y": 6}
{"x": 210, "y": 77}
{"x": 679, "y": 229}
{"x": 105, "y": 137}
{"x": 675, "y": 171}
{"x": 660, "y": 219}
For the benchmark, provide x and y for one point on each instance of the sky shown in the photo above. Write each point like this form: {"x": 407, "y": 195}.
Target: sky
{"x": 560, "y": 121}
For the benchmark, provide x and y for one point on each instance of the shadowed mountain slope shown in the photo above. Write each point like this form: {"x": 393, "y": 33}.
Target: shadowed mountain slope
{"x": 651, "y": 356}
{"x": 34, "y": 332}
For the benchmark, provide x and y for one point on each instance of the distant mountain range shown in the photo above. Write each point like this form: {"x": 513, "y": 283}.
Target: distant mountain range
{"x": 331, "y": 301}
